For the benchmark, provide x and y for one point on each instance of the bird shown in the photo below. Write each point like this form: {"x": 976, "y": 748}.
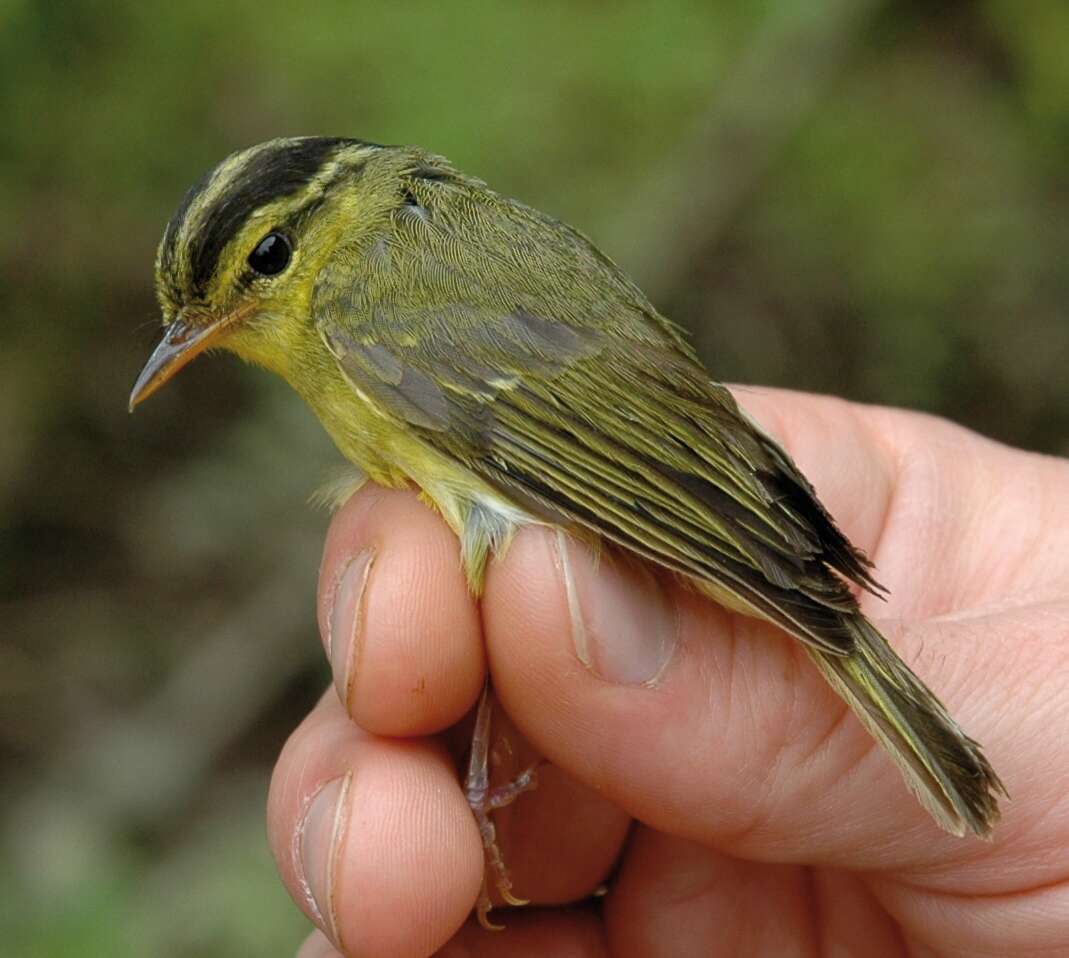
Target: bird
{"x": 454, "y": 339}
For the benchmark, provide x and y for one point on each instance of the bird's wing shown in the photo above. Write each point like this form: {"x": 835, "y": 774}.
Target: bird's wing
{"x": 573, "y": 394}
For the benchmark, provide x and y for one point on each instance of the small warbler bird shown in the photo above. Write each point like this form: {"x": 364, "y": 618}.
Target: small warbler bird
{"x": 452, "y": 338}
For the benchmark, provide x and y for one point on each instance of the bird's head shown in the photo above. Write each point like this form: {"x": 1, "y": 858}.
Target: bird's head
{"x": 238, "y": 261}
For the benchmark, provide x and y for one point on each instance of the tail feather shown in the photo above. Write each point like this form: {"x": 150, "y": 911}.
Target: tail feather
{"x": 940, "y": 763}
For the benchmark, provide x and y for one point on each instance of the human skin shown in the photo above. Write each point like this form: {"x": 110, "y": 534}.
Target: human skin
{"x": 699, "y": 764}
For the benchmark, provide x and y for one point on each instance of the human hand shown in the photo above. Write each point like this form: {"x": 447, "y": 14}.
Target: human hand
{"x": 700, "y": 765}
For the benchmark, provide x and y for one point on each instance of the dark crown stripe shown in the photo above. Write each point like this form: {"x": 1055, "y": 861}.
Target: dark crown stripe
{"x": 295, "y": 217}
{"x": 168, "y": 258}
{"x": 269, "y": 175}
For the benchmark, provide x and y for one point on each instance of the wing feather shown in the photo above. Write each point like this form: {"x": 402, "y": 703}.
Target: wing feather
{"x": 578, "y": 396}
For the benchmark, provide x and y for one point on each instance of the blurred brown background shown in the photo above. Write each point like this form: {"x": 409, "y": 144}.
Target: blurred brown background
{"x": 867, "y": 198}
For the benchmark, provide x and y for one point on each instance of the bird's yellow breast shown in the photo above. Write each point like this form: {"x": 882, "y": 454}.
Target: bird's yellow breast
{"x": 389, "y": 454}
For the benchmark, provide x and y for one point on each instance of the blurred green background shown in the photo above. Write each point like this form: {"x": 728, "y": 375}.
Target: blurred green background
{"x": 867, "y": 198}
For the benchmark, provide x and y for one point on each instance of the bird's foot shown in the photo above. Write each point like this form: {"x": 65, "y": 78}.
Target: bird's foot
{"x": 483, "y": 801}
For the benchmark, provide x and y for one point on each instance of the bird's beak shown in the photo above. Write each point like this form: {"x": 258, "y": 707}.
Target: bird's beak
{"x": 185, "y": 339}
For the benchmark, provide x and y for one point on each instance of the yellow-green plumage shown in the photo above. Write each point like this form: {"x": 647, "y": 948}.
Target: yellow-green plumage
{"x": 453, "y": 338}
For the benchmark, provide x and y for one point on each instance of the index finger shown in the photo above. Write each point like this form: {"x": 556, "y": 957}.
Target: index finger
{"x": 400, "y": 628}
{"x": 951, "y": 519}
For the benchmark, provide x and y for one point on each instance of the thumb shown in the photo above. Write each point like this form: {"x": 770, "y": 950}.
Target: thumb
{"x": 703, "y": 724}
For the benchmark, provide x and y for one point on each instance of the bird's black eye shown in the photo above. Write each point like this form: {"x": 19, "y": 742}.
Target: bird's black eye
{"x": 271, "y": 256}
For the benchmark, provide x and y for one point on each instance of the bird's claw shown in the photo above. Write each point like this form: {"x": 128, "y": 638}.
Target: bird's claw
{"x": 483, "y": 800}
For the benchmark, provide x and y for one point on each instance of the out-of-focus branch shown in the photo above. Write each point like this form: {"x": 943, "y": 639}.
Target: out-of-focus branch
{"x": 141, "y": 766}
{"x": 795, "y": 56}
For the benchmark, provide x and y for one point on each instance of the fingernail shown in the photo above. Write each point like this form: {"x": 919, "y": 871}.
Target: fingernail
{"x": 346, "y": 621}
{"x": 624, "y": 623}
{"x": 317, "y": 945}
{"x": 320, "y": 838}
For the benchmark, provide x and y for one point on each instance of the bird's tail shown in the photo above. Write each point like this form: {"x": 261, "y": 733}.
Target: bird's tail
{"x": 940, "y": 763}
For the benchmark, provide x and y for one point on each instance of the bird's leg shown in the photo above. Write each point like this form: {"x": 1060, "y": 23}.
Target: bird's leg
{"x": 484, "y": 800}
